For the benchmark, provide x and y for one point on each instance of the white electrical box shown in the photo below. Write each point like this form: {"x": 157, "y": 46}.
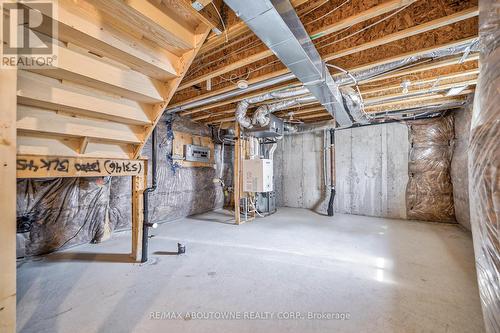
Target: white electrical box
{"x": 258, "y": 175}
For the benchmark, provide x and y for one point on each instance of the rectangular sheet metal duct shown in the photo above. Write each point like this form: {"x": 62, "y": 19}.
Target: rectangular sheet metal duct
{"x": 276, "y": 23}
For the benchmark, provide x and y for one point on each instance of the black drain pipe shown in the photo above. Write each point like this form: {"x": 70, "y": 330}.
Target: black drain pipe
{"x": 332, "y": 172}
{"x": 146, "y": 224}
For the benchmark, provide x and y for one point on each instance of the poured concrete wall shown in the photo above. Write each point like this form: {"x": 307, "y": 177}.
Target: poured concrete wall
{"x": 459, "y": 166}
{"x": 298, "y": 165}
{"x": 371, "y": 169}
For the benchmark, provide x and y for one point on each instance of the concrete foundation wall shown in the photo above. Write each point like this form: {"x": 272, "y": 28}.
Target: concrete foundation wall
{"x": 371, "y": 170}
{"x": 459, "y": 166}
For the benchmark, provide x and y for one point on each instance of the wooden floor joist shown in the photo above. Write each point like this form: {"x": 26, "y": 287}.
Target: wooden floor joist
{"x": 417, "y": 53}
{"x": 205, "y": 113}
{"x": 413, "y": 31}
{"x": 232, "y": 32}
{"x": 368, "y": 14}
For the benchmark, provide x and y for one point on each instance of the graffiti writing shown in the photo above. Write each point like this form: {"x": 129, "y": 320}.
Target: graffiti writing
{"x": 113, "y": 166}
{"x": 61, "y": 165}
{"x": 79, "y": 167}
{"x": 88, "y": 167}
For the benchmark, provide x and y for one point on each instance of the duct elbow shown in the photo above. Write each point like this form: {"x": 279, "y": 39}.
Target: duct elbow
{"x": 260, "y": 116}
{"x": 354, "y": 105}
{"x": 289, "y": 128}
{"x": 240, "y": 115}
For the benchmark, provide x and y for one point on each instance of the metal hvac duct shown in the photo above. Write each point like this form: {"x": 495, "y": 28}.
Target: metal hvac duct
{"x": 276, "y": 23}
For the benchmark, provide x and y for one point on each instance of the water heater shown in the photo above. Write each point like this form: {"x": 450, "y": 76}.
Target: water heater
{"x": 258, "y": 175}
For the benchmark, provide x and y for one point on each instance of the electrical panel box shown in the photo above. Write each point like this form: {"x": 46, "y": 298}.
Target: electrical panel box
{"x": 258, "y": 175}
{"x": 272, "y": 130}
{"x": 193, "y": 153}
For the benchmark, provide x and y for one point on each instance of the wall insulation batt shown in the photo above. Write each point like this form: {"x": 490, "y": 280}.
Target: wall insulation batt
{"x": 429, "y": 195}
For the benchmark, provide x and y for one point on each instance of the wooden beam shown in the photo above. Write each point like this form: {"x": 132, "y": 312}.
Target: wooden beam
{"x": 91, "y": 71}
{"x": 351, "y": 69}
{"x": 378, "y": 10}
{"x": 421, "y": 82}
{"x": 236, "y": 30}
{"x": 33, "y": 166}
{"x": 240, "y": 97}
{"x": 304, "y": 111}
{"x": 425, "y": 92}
{"x": 41, "y": 91}
{"x": 235, "y": 65}
{"x": 225, "y": 119}
{"x": 8, "y": 200}
{"x": 424, "y": 67}
{"x": 230, "y": 88}
{"x": 33, "y": 119}
{"x": 316, "y": 115}
{"x": 413, "y": 31}
{"x": 403, "y": 98}
{"x": 433, "y": 100}
{"x": 414, "y": 69}
{"x": 139, "y": 184}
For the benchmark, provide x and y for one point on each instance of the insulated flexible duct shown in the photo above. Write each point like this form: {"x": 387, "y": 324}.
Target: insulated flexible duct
{"x": 243, "y": 105}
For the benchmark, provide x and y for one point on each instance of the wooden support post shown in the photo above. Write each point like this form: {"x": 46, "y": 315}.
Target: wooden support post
{"x": 139, "y": 183}
{"x": 236, "y": 175}
{"x": 8, "y": 79}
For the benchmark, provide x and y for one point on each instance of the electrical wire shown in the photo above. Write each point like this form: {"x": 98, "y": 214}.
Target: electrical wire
{"x": 254, "y": 208}
{"x": 221, "y": 20}
{"x": 362, "y": 103}
{"x": 328, "y": 13}
{"x": 247, "y": 46}
{"x": 246, "y": 36}
{"x": 314, "y": 8}
{"x": 232, "y": 78}
{"x": 219, "y": 60}
{"x": 363, "y": 29}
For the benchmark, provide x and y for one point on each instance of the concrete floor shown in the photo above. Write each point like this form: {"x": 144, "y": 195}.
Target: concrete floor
{"x": 387, "y": 275}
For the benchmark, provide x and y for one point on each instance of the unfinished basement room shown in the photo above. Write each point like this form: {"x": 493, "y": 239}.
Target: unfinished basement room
{"x": 247, "y": 166}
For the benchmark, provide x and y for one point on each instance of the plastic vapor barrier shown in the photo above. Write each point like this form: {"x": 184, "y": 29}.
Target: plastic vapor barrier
{"x": 484, "y": 160}
{"x": 60, "y": 212}
{"x": 429, "y": 193}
